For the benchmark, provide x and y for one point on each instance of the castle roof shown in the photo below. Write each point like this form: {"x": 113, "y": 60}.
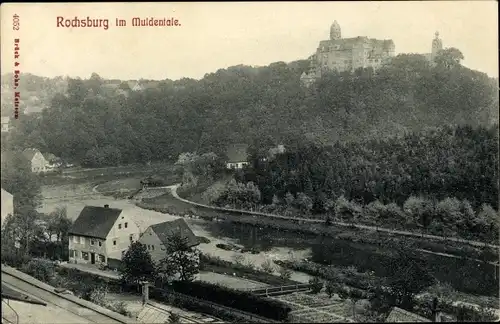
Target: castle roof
{"x": 349, "y": 43}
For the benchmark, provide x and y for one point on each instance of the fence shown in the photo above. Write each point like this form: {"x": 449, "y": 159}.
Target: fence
{"x": 159, "y": 294}
{"x": 279, "y": 290}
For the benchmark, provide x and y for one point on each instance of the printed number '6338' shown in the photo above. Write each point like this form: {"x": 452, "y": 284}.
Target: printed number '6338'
{"x": 15, "y": 22}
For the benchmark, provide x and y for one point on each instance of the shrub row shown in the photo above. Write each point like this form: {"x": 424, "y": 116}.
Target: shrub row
{"x": 218, "y": 265}
{"x": 354, "y": 280}
{"x": 193, "y": 305}
{"x": 241, "y": 300}
{"x": 461, "y": 313}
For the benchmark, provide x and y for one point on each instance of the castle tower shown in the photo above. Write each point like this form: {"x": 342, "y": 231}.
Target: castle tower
{"x": 335, "y": 32}
{"x": 437, "y": 46}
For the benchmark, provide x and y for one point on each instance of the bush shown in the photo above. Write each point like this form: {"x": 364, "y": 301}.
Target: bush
{"x": 193, "y": 305}
{"x": 42, "y": 270}
{"x": 241, "y": 300}
{"x": 14, "y": 259}
{"x": 316, "y": 285}
{"x": 216, "y": 264}
{"x": 331, "y": 288}
{"x": 267, "y": 266}
{"x": 203, "y": 240}
{"x": 120, "y": 308}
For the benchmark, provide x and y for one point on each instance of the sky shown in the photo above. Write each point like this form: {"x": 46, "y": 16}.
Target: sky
{"x": 217, "y": 35}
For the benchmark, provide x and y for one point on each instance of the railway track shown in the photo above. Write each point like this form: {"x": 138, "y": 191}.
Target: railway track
{"x": 69, "y": 303}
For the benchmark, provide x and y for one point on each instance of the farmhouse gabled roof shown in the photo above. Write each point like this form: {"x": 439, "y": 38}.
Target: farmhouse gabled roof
{"x": 179, "y": 226}
{"x": 29, "y": 153}
{"x": 95, "y": 221}
{"x": 237, "y": 153}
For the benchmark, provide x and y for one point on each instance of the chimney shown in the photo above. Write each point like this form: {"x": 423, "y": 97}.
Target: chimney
{"x": 145, "y": 292}
{"x": 106, "y": 206}
{"x": 436, "y": 314}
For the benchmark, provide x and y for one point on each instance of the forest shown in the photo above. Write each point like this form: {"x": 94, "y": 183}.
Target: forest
{"x": 93, "y": 125}
{"x": 443, "y": 180}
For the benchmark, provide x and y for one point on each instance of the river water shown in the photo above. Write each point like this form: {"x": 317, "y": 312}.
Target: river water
{"x": 275, "y": 244}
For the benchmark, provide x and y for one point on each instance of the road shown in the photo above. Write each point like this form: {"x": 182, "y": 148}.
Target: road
{"x": 367, "y": 227}
{"x": 66, "y": 308}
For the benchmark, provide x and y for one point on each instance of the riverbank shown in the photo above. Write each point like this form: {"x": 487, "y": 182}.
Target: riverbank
{"x": 450, "y": 261}
{"x": 186, "y": 199}
{"x": 172, "y": 203}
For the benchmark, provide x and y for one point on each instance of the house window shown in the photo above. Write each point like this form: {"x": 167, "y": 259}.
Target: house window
{"x": 119, "y": 226}
{"x": 100, "y": 243}
{"x": 92, "y": 242}
{"x": 71, "y": 253}
{"x": 77, "y": 254}
{"x": 126, "y": 225}
{"x": 114, "y": 242}
{"x": 85, "y": 256}
{"x": 131, "y": 237}
{"x": 102, "y": 258}
{"x": 152, "y": 247}
{"x": 82, "y": 240}
{"x": 75, "y": 239}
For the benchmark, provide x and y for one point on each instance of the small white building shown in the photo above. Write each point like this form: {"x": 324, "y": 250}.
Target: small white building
{"x": 7, "y": 205}
{"x": 5, "y": 124}
{"x": 36, "y": 159}
{"x": 237, "y": 156}
{"x": 100, "y": 234}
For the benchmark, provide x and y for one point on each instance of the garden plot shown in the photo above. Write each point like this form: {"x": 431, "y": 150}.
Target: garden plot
{"x": 316, "y": 309}
{"x": 316, "y": 317}
{"x": 308, "y": 300}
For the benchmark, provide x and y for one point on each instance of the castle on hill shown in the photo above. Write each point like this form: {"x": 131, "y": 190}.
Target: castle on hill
{"x": 350, "y": 54}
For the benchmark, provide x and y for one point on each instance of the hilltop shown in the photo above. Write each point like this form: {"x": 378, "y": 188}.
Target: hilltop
{"x": 259, "y": 105}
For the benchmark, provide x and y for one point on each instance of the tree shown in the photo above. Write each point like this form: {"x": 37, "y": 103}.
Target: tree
{"x": 174, "y": 318}
{"x": 304, "y": 203}
{"x": 285, "y": 273}
{"x": 23, "y": 229}
{"x": 43, "y": 270}
{"x": 181, "y": 259}
{"x": 449, "y": 57}
{"x": 487, "y": 222}
{"x": 407, "y": 275}
{"x": 331, "y": 288}
{"x": 59, "y": 223}
{"x": 267, "y": 266}
{"x": 138, "y": 265}
{"x": 347, "y": 210}
{"x": 316, "y": 285}
{"x": 238, "y": 258}
{"x": 18, "y": 180}
{"x": 421, "y": 210}
{"x": 449, "y": 210}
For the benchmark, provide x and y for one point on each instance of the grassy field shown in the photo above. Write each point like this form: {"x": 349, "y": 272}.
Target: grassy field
{"x": 101, "y": 175}
{"x": 127, "y": 184}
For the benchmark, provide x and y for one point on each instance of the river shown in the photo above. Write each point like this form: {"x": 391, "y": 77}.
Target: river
{"x": 467, "y": 276}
